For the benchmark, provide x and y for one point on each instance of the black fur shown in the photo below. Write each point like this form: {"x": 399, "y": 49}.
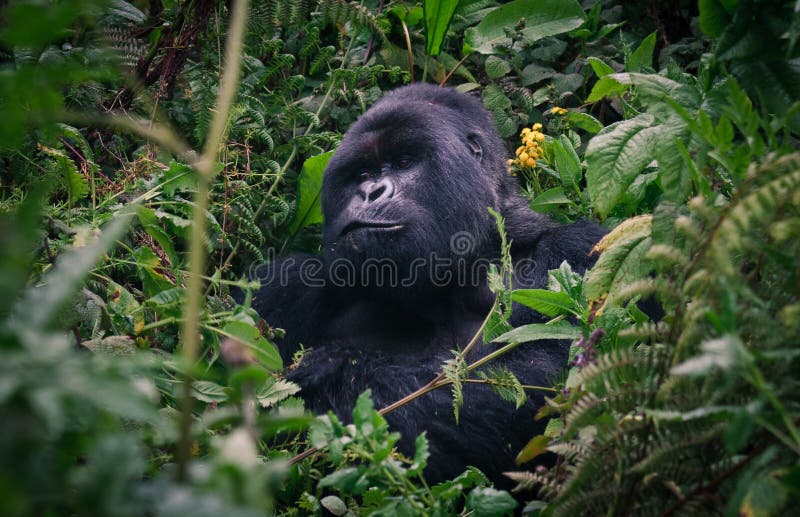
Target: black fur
{"x": 424, "y": 163}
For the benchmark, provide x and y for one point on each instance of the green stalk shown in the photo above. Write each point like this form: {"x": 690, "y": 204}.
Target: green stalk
{"x": 197, "y": 253}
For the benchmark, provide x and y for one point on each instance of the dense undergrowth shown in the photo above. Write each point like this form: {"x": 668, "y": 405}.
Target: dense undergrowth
{"x": 148, "y": 165}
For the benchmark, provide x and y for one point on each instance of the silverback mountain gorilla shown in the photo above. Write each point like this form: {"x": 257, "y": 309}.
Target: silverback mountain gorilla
{"x": 402, "y": 279}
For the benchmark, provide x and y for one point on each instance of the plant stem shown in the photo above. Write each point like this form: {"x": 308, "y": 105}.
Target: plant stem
{"x": 197, "y": 252}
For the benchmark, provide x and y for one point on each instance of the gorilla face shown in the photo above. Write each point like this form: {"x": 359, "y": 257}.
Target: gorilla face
{"x": 406, "y": 180}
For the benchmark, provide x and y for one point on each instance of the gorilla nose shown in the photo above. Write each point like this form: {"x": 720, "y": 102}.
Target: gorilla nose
{"x": 375, "y": 191}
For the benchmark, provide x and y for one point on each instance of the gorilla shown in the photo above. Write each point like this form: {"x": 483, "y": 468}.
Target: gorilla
{"x": 405, "y": 200}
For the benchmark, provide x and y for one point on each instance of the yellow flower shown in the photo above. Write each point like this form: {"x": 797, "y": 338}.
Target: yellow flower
{"x": 530, "y": 162}
{"x": 558, "y": 111}
{"x": 539, "y": 137}
{"x": 523, "y": 157}
{"x": 537, "y": 126}
{"x": 525, "y": 131}
{"x": 520, "y": 149}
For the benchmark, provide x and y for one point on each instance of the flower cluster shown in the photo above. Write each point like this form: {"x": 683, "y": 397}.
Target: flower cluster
{"x": 558, "y": 111}
{"x": 529, "y": 151}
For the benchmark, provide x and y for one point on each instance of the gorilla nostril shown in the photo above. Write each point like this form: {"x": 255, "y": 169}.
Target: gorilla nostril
{"x": 375, "y": 194}
{"x": 375, "y": 191}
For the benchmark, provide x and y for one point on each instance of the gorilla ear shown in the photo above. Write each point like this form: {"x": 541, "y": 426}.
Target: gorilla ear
{"x": 475, "y": 147}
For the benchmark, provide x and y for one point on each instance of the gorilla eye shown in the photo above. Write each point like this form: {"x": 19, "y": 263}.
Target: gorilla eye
{"x": 403, "y": 163}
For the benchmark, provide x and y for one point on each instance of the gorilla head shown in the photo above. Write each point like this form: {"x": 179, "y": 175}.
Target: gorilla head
{"x": 420, "y": 167}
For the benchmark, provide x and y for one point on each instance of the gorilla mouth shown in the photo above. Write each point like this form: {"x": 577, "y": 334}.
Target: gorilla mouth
{"x": 371, "y": 225}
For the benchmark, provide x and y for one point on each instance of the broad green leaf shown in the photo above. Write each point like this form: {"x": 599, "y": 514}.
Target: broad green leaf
{"x": 766, "y": 496}
{"x": 615, "y": 156}
{"x": 250, "y": 336}
{"x": 549, "y": 199}
{"x": 496, "y": 67}
{"x": 674, "y": 173}
{"x": 333, "y": 504}
{"x": 490, "y": 502}
{"x": 309, "y": 186}
{"x": 542, "y": 18}
{"x": 607, "y": 86}
{"x": 549, "y": 303}
{"x": 207, "y": 391}
{"x": 535, "y": 447}
{"x": 438, "y": 14}
{"x": 622, "y": 259}
{"x": 584, "y": 121}
{"x": 540, "y": 331}
{"x": 567, "y": 163}
{"x": 601, "y": 69}
{"x": 643, "y": 55}
{"x": 535, "y": 73}
{"x": 713, "y": 17}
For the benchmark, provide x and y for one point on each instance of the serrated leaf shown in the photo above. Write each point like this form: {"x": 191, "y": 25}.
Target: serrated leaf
{"x": 274, "y": 391}
{"x": 496, "y": 67}
{"x": 614, "y": 158}
{"x": 421, "y": 454}
{"x": 622, "y": 260}
{"x": 309, "y": 186}
{"x": 567, "y": 163}
{"x": 115, "y": 345}
{"x": 535, "y": 447}
{"x": 549, "y": 303}
{"x": 540, "y": 331}
{"x": 178, "y": 176}
{"x": 542, "y": 18}
{"x": 643, "y": 55}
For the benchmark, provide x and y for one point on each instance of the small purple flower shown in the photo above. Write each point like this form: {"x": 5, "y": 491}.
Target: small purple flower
{"x": 588, "y": 355}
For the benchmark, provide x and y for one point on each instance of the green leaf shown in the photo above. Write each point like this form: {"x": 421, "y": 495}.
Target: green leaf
{"x": 250, "y": 336}
{"x": 535, "y": 447}
{"x": 496, "y": 67}
{"x": 615, "y": 156}
{"x": 549, "y": 303}
{"x": 333, "y": 504}
{"x": 150, "y": 223}
{"x": 309, "y": 186}
{"x": 584, "y": 121}
{"x": 643, "y": 55}
{"x": 207, "y": 391}
{"x": 621, "y": 260}
{"x": 567, "y": 163}
{"x": 535, "y": 73}
{"x": 488, "y": 502}
{"x": 178, "y": 176}
{"x": 421, "y": 454}
{"x": 714, "y": 19}
{"x": 540, "y": 331}
{"x": 549, "y": 199}
{"x": 607, "y": 86}
{"x": 766, "y": 496}
{"x": 542, "y": 18}
{"x": 438, "y": 14}
{"x": 274, "y": 391}
{"x": 601, "y": 69}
